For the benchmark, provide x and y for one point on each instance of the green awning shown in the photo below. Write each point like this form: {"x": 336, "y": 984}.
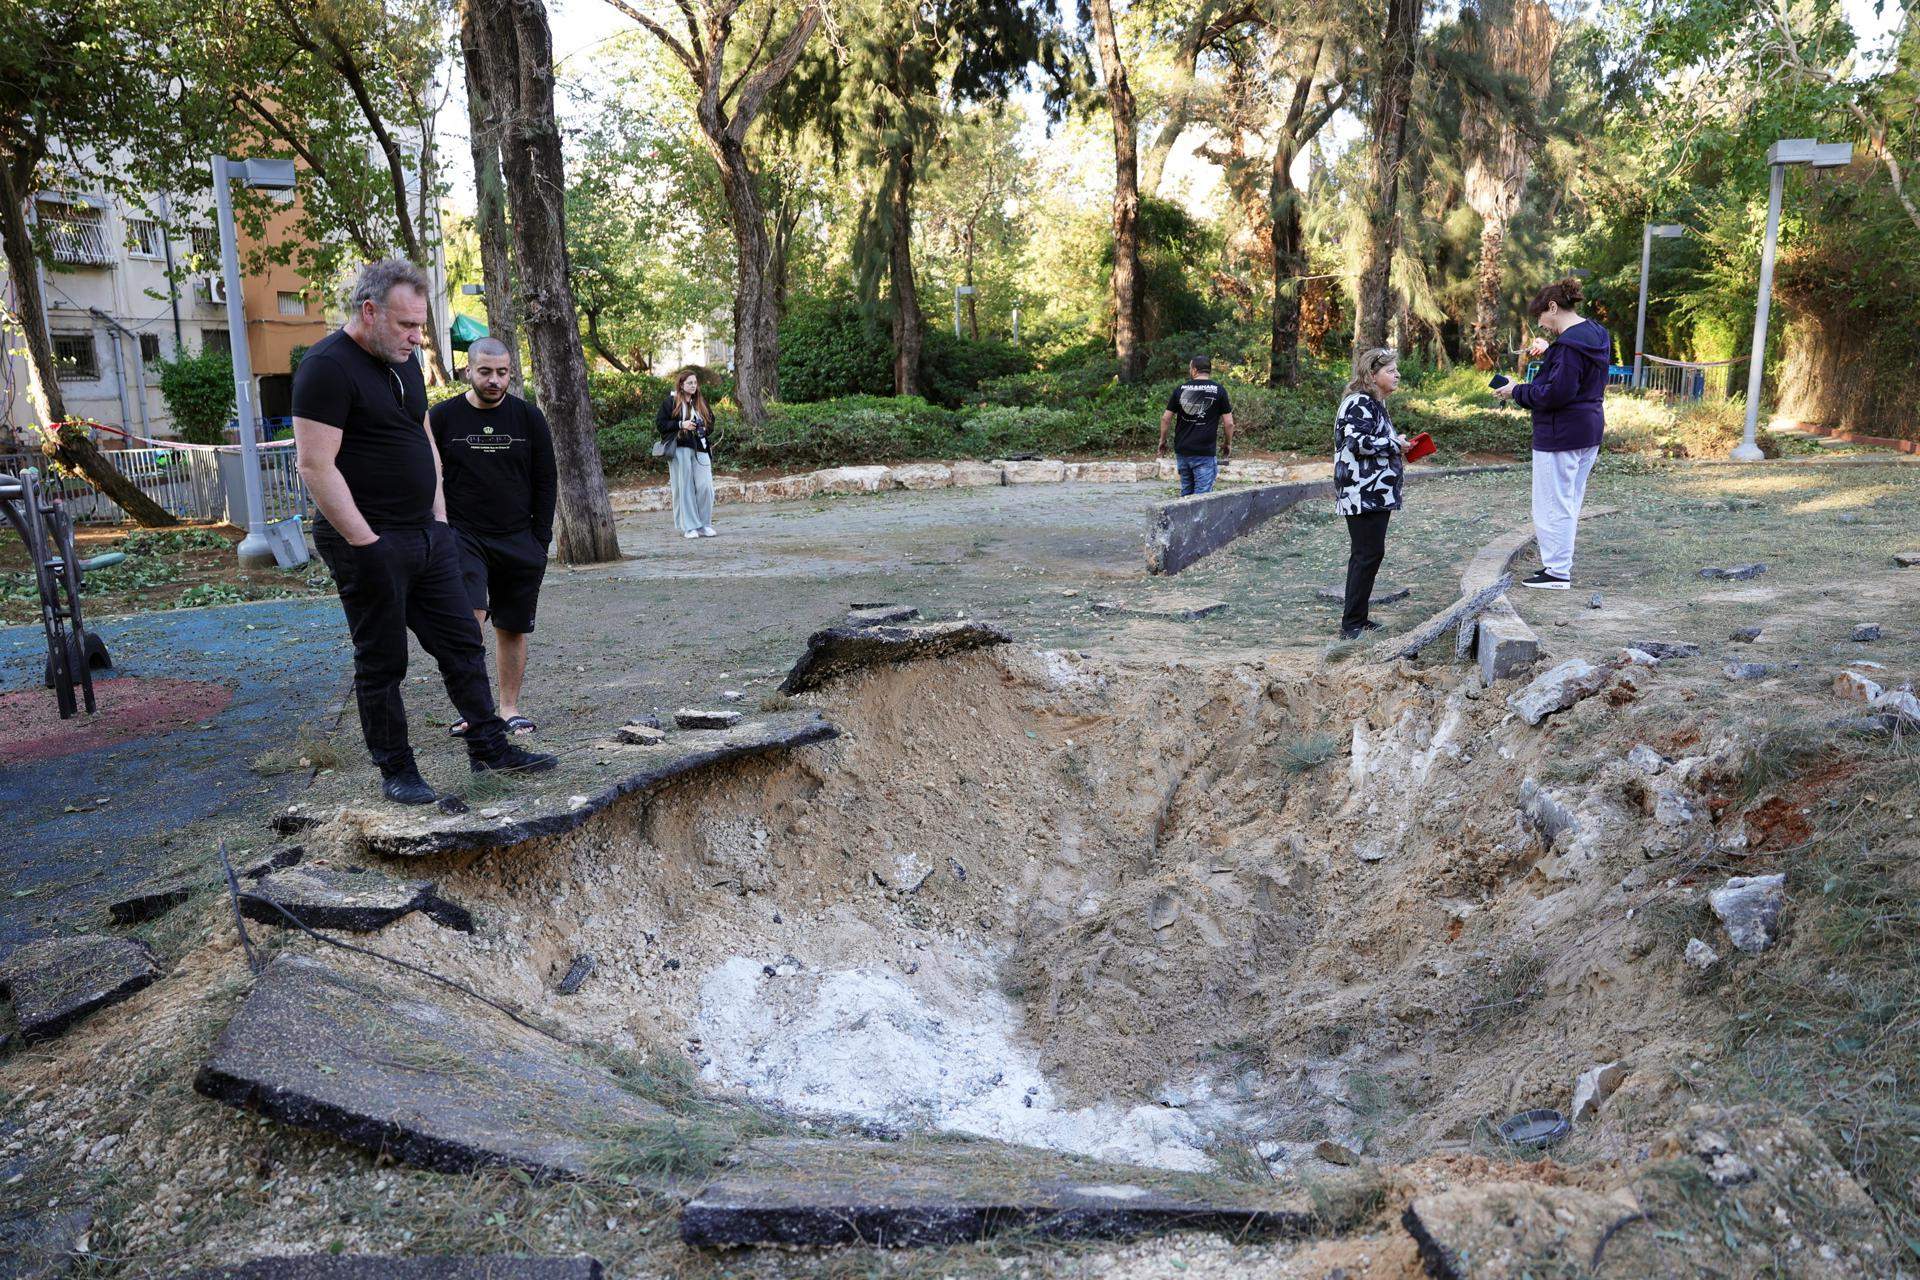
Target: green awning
{"x": 466, "y": 331}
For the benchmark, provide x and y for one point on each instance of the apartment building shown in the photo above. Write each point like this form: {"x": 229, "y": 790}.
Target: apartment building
{"x": 127, "y": 288}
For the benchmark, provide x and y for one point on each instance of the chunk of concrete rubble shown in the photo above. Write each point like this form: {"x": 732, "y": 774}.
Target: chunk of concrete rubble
{"x": 1855, "y": 687}
{"x": 839, "y": 651}
{"x": 1737, "y": 573}
{"x": 1593, "y": 1087}
{"x": 1548, "y": 814}
{"x": 42, "y": 1246}
{"x": 349, "y": 898}
{"x": 1748, "y": 670}
{"x": 705, "y": 718}
{"x": 290, "y": 856}
{"x": 149, "y": 902}
{"x": 1865, "y": 632}
{"x": 392, "y": 831}
{"x": 1664, "y": 649}
{"x": 1507, "y": 1230}
{"x": 342, "y": 1053}
{"x": 1646, "y": 759}
{"x": 1906, "y": 559}
{"x": 1639, "y": 657}
{"x": 1557, "y": 689}
{"x": 1699, "y": 956}
{"x": 336, "y": 1266}
{"x": 1181, "y": 609}
{"x": 1338, "y": 595}
{"x": 55, "y": 982}
{"x": 823, "y": 1192}
{"x": 1899, "y": 703}
{"x": 875, "y": 615}
{"x": 1745, "y": 635}
{"x": 640, "y": 735}
{"x": 1750, "y": 908}
{"x": 577, "y": 972}
{"x": 1333, "y": 1153}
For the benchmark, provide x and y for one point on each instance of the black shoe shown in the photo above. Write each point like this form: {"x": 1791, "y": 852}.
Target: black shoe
{"x": 1354, "y": 633}
{"x": 406, "y": 786}
{"x": 1545, "y": 581}
{"x": 507, "y": 758}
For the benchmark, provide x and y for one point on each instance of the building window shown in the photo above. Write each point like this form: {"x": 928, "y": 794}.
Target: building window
{"x": 149, "y": 349}
{"x": 292, "y": 304}
{"x": 206, "y": 245}
{"x": 76, "y": 233}
{"x": 74, "y": 357}
{"x": 145, "y": 238}
{"x": 212, "y": 340}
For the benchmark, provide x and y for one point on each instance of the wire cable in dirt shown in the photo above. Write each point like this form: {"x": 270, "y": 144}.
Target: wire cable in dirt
{"x": 254, "y": 963}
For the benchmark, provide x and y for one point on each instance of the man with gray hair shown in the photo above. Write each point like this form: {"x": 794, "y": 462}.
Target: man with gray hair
{"x": 368, "y": 459}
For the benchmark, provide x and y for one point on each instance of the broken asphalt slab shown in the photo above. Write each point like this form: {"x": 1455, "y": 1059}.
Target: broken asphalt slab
{"x": 331, "y": 1266}
{"x": 352, "y": 899}
{"x": 398, "y": 833}
{"x": 809, "y": 1191}
{"x": 42, "y": 1246}
{"x": 428, "y": 1076}
{"x": 839, "y": 651}
{"x": 55, "y": 982}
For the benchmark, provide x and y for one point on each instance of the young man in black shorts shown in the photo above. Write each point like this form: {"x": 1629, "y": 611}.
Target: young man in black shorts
{"x": 360, "y": 428}
{"x": 496, "y": 455}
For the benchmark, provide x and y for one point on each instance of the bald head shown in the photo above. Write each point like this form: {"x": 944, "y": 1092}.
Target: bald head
{"x": 489, "y": 370}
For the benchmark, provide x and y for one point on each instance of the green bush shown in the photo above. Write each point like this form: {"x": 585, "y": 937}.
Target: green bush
{"x": 626, "y": 447}
{"x": 847, "y": 432}
{"x": 828, "y": 349}
{"x": 619, "y": 396}
{"x": 953, "y": 368}
{"x": 198, "y": 390}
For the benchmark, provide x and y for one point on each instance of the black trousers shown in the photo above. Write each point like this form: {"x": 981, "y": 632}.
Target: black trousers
{"x": 410, "y": 580}
{"x": 1368, "y": 534}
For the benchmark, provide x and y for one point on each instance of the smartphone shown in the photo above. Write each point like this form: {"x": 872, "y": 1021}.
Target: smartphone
{"x": 1498, "y": 380}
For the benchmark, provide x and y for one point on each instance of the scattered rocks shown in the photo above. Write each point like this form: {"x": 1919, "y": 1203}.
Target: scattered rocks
{"x": 1595, "y": 602}
{"x": 1855, "y": 687}
{"x": 349, "y": 898}
{"x": 55, "y": 982}
{"x": 1163, "y": 911}
{"x": 1639, "y": 658}
{"x": 1901, "y": 704}
{"x": 1738, "y": 573}
{"x": 700, "y": 718}
{"x": 1546, "y": 812}
{"x": 880, "y": 614}
{"x": 577, "y": 973}
{"x": 1333, "y": 1153}
{"x": 1750, "y": 908}
{"x": 1748, "y": 670}
{"x": 645, "y": 722}
{"x": 1865, "y": 632}
{"x": 840, "y": 650}
{"x": 1664, "y": 649}
{"x": 1906, "y": 559}
{"x": 1594, "y": 1086}
{"x": 640, "y": 735}
{"x": 342, "y": 1054}
{"x": 1557, "y": 689}
{"x": 1745, "y": 635}
{"x": 818, "y": 1192}
{"x": 1699, "y": 956}
{"x": 1647, "y": 760}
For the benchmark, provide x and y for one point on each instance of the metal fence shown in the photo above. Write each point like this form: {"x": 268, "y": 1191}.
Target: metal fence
{"x": 1687, "y": 381}
{"x": 190, "y": 483}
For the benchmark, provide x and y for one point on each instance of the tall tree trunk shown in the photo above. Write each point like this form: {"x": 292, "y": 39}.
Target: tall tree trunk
{"x": 1392, "y": 99}
{"x": 1127, "y": 290}
{"x": 973, "y": 292}
{"x": 756, "y": 334}
{"x": 1487, "y": 348}
{"x": 1289, "y": 264}
{"x": 909, "y": 325}
{"x": 490, "y": 205}
{"x": 518, "y": 46}
{"x": 65, "y": 442}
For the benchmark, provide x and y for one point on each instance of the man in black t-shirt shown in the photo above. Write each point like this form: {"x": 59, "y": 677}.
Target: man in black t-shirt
{"x": 1201, "y": 408}
{"x": 496, "y": 455}
{"x": 360, "y": 428}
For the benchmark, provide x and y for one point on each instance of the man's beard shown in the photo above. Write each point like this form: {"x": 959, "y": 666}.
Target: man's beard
{"x": 489, "y": 396}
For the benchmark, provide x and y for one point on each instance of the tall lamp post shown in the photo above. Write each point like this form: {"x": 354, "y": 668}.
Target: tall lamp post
{"x": 1821, "y": 155}
{"x": 261, "y": 175}
{"x": 1666, "y": 231}
{"x": 960, "y": 291}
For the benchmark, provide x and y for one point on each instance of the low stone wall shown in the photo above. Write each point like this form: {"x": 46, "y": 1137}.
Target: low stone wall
{"x": 946, "y": 475}
{"x": 1185, "y": 530}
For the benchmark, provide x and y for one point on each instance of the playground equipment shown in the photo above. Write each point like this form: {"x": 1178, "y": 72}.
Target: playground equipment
{"x": 42, "y": 522}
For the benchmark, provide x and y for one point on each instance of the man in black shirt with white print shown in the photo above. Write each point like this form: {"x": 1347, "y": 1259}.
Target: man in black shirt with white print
{"x": 496, "y": 461}
{"x": 1201, "y": 408}
{"x": 360, "y": 428}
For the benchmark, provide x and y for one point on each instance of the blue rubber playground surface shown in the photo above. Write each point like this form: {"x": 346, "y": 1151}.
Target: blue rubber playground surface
{"x": 64, "y": 854}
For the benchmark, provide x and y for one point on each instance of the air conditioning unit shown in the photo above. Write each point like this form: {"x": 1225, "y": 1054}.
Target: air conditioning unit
{"x": 214, "y": 288}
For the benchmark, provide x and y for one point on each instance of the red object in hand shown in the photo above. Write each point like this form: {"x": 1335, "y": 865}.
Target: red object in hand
{"x": 1420, "y": 446}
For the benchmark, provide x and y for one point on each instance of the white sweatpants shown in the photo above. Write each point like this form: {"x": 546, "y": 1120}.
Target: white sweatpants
{"x": 1559, "y": 487}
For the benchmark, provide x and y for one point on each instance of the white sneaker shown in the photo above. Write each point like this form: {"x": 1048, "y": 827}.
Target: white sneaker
{"x": 708, "y": 531}
{"x": 691, "y": 533}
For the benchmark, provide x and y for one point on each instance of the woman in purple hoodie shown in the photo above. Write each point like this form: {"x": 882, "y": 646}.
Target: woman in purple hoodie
{"x": 1568, "y": 419}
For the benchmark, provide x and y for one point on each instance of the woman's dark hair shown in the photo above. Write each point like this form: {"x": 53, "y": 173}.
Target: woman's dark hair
{"x": 699, "y": 395}
{"x": 1566, "y": 294}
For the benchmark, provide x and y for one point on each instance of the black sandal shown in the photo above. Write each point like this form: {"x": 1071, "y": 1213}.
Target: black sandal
{"x": 518, "y": 725}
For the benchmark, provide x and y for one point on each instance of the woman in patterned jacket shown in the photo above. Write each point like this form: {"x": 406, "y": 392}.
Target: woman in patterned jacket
{"x": 1367, "y": 470}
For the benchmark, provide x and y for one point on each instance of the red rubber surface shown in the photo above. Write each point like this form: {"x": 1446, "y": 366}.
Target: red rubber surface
{"x": 31, "y": 728}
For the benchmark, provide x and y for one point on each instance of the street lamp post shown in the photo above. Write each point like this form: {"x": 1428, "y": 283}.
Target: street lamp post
{"x": 1666, "y": 231}
{"x": 1821, "y": 155}
{"x": 960, "y": 291}
{"x": 266, "y": 175}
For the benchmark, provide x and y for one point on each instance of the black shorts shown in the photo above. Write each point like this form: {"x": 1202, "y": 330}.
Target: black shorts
{"x": 503, "y": 573}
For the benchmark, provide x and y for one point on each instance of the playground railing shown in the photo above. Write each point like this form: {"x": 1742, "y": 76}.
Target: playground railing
{"x": 189, "y": 483}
